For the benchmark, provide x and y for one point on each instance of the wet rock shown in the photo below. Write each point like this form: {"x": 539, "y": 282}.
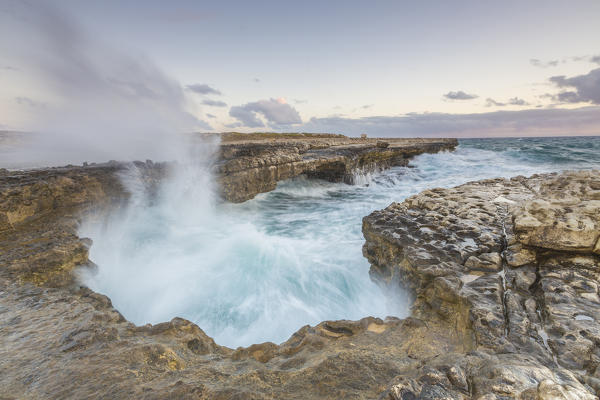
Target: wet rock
{"x": 246, "y": 168}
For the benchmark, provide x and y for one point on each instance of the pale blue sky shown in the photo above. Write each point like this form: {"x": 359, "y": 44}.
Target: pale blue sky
{"x": 346, "y": 66}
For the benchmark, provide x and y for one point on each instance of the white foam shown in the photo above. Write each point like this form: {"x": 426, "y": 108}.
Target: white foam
{"x": 258, "y": 271}
{"x": 244, "y": 273}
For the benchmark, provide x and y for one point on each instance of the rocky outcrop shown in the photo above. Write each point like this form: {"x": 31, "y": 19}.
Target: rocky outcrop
{"x": 40, "y": 211}
{"x": 60, "y": 340}
{"x": 247, "y": 168}
{"x": 512, "y": 267}
{"x": 503, "y": 272}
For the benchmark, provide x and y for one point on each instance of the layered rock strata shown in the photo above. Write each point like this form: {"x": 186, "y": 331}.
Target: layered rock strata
{"x": 513, "y": 268}
{"x": 32, "y": 201}
{"x": 40, "y": 211}
{"x": 247, "y": 168}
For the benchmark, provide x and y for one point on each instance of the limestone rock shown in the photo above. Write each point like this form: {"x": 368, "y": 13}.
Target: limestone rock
{"x": 248, "y": 167}
{"x": 534, "y": 312}
{"x": 506, "y": 303}
{"x": 516, "y": 255}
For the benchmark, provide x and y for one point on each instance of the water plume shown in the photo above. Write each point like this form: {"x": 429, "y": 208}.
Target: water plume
{"x": 103, "y": 103}
{"x": 244, "y": 273}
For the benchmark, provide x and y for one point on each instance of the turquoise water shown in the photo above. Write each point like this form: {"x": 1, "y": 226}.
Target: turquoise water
{"x": 260, "y": 270}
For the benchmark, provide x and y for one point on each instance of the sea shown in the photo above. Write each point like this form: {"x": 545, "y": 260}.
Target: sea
{"x": 259, "y": 271}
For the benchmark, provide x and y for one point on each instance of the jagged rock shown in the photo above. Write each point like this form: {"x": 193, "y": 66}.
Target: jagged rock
{"x": 567, "y": 224}
{"x": 517, "y": 256}
{"x": 533, "y": 311}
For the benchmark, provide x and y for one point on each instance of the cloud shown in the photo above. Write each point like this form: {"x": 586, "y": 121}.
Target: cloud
{"x": 553, "y": 63}
{"x": 587, "y": 87}
{"x": 566, "y": 97}
{"x": 489, "y": 102}
{"x": 300, "y": 101}
{"x": 515, "y": 101}
{"x": 202, "y": 88}
{"x": 214, "y": 103}
{"x": 245, "y": 117}
{"x": 460, "y": 95}
{"x": 276, "y": 111}
{"x": 26, "y": 101}
{"x": 113, "y": 105}
{"x": 585, "y": 120}
{"x": 541, "y": 64}
{"x": 208, "y": 115}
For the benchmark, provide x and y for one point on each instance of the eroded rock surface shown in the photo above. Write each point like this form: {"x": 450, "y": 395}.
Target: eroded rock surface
{"x": 247, "y": 168}
{"x": 495, "y": 317}
{"x": 59, "y": 340}
{"x": 514, "y": 265}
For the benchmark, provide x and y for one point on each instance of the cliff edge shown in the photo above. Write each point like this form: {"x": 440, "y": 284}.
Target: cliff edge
{"x": 504, "y": 273}
{"x": 513, "y": 267}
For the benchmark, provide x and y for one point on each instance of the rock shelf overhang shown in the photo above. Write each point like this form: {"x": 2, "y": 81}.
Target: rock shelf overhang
{"x": 247, "y": 168}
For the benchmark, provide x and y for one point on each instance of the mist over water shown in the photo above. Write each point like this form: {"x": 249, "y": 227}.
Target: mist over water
{"x": 244, "y": 273}
{"x": 258, "y": 271}
{"x": 94, "y": 101}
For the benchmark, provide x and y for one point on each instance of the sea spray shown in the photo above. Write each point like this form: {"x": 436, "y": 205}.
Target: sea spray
{"x": 240, "y": 279}
{"x": 176, "y": 251}
{"x": 260, "y": 270}
{"x": 98, "y": 101}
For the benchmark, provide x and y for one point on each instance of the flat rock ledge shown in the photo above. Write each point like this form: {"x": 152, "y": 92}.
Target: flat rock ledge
{"x": 504, "y": 275}
{"x": 249, "y": 167}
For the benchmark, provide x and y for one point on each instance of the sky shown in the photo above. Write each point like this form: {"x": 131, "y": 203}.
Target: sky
{"x": 385, "y": 68}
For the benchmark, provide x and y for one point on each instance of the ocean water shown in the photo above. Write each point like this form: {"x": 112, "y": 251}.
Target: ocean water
{"x": 258, "y": 271}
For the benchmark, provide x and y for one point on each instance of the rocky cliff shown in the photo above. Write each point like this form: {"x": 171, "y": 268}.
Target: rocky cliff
{"x": 248, "y": 167}
{"x": 512, "y": 268}
{"x": 43, "y": 207}
{"x": 504, "y": 274}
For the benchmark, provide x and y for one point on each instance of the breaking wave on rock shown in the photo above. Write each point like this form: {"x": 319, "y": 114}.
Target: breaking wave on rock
{"x": 258, "y": 271}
